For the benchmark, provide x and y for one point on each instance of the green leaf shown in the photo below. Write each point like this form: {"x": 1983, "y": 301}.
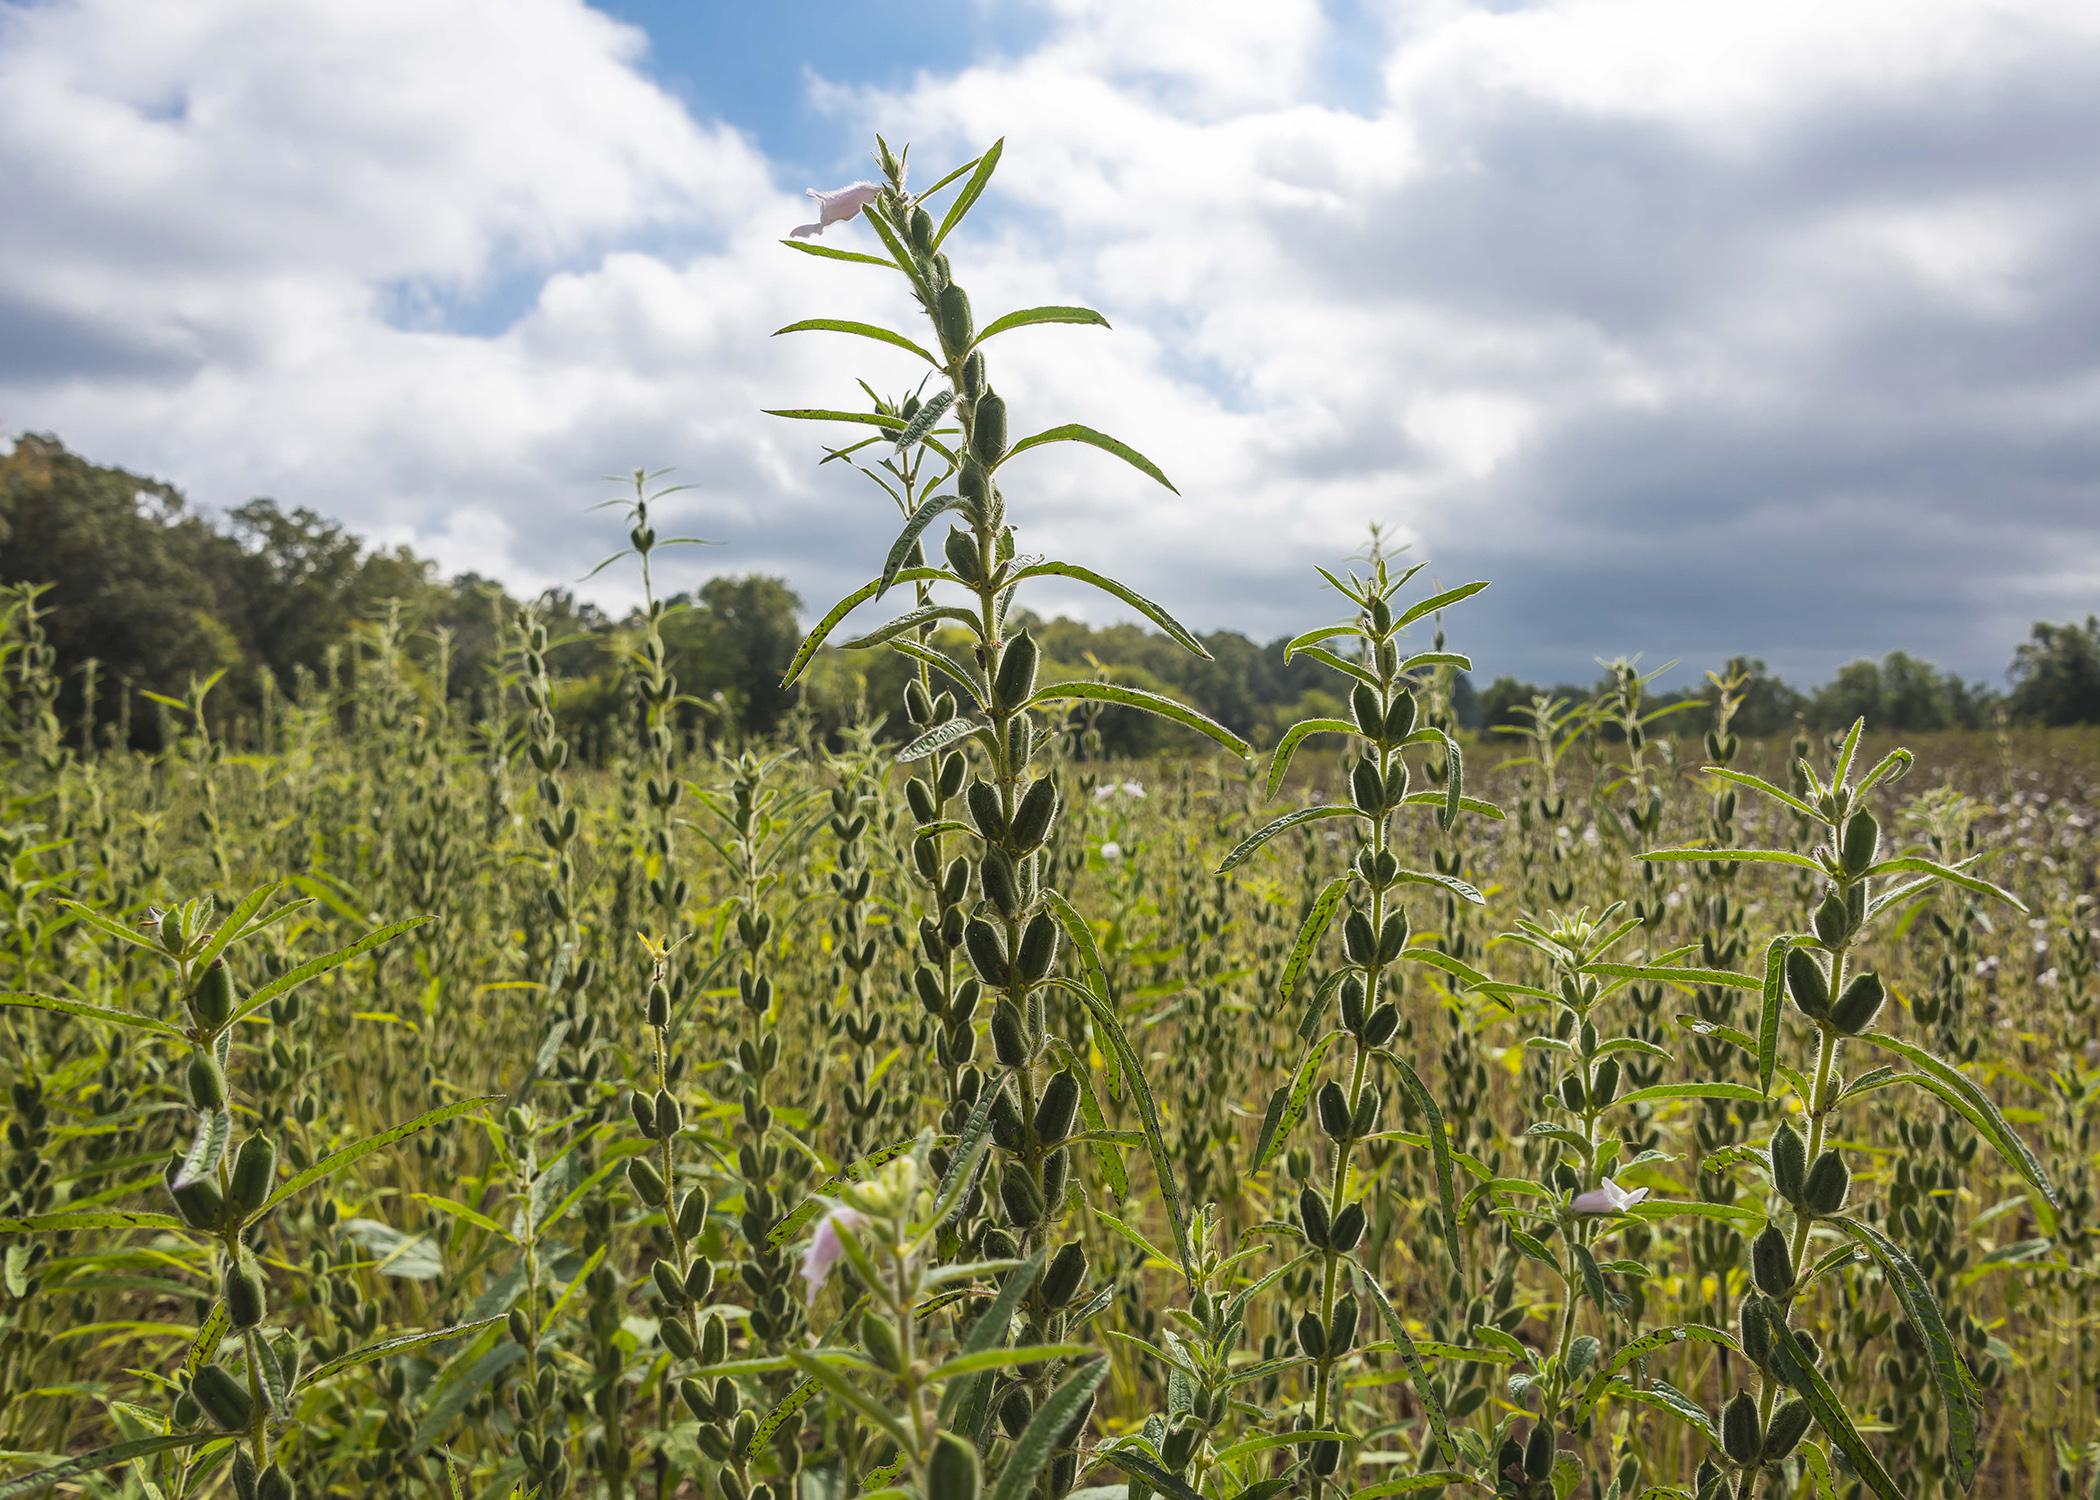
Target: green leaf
{"x": 977, "y": 1361}
{"x": 1425, "y": 1388}
{"x": 236, "y": 921}
{"x": 1150, "y": 702}
{"x": 1759, "y": 784}
{"x": 971, "y": 191}
{"x": 1037, "y": 1445}
{"x": 833, "y": 252}
{"x": 940, "y": 737}
{"x": 1180, "y": 634}
{"x": 1310, "y": 933}
{"x": 90, "y": 1218}
{"x": 399, "y": 1344}
{"x": 1975, "y": 1106}
{"x": 1949, "y": 1373}
{"x": 1287, "y": 1107}
{"x": 1280, "y": 760}
{"x": 1073, "y": 432}
{"x": 909, "y": 621}
{"x": 1791, "y": 1363}
{"x": 28, "y": 1000}
{"x": 1439, "y": 1152}
{"x": 335, "y": 1161}
{"x": 1436, "y": 602}
{"x": 1911, "y": 864}
{"x": 1151, "y": 1474}
{"x": 1738, "y": 857}
{"x": 1772, "y": 1000}
{"x": 207, "y": 1147}
{"x": 1656, "y": 1093}
{"x": 1451, "y": 883}
{"x": 887, "y": 421}
{"x": 991, "y": 1329}
{"x": 100, "y": 1459}
{"x": 1033, "y": 315}
{"x": 873, "y": 331}
{"x": 313, "y": 968}
{"x": 1245, "y": 848}
{"x": 906, "y": 546}
{"x": 1673, "y": 974}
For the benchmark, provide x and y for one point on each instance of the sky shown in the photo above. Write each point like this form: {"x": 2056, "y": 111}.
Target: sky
{"x": 1763, "y": 326}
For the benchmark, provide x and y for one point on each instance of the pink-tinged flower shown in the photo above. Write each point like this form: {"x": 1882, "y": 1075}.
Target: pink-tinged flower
{"x": 1609, "y": 1198}
{"x": 837, "y": 206}
{"x": 824, "y": 1250}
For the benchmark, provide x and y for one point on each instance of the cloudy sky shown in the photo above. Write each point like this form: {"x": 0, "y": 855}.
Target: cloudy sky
{"x": 1758, "y": 325}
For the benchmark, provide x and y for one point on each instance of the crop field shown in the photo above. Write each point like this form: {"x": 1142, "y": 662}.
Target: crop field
{"x": 402, "y": 1102}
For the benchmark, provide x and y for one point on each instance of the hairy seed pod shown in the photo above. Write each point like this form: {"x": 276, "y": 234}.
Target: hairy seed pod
{"x": 1829, "y": 1181}
{"x": 692, "y": 1213}
{"x": 246, "y": 1301}
{"x": 171, "y": 931}
{"x": 952, "y": 316}
{"x": 1832, "y": 921}
{"x": 1754, "y": 1323}
{"x": 1009, "y": 1037}
{"x": 982, "y": 800}
{"x": 1341, "y": 1333}
{"x": 1860, "y": 842}
{"x": 207, "y": 1081}
{"x": 644, "y": 1115}
{"x": 275, "y": 1484}
{"x": 1062, "y": 1277}
{"x": 1363, "y": 1115}
{"x": 1038, "y": 947}
{"x": 670, "y": 1115}
{"x": 223, "y": 1398}
{"x": 1058, "y": 1107}
{"x": 254, "y": 1173}
{"x": 648, "y": 1185}
{"x": 964, "y": 558}
{"x": 1604, "y": 1083}
{"x": 244, "y": 1475}
{"x": 922, "y": 231}
{"x": 1359, "y": 942}
{"x": 1807, "y": 983}
{"x": 988, "y": 428}
{"x": 699, "y": 1280}
{"x": 1032, "y": 818}
{"x": 952, "y": 1473}
{"x": 1352, "y": 994}
{"x": 1396, "y": 782}
{"x": 1057, "y": 1168}
{"x": 973, "y": 374}
{"x": 1015, "y": 682}
{"x": 1392, "y": 937}
{"x": 200, "y": 1203}
{"x": 987, "y": 950}
{"x": 1363, "y": 707}
{"x": 1367, "y": 786}
{"x": 669, "y": 1284}
{"x": 1347, "y": 1229}
{"x": 1333, "y": 1110}
{"x": 519, "y": 1327}
{"x": 1740, "y": 1435}
{"x": 1539, "y": 1450}
{"x": 1771, "y": 1262}
{"x": 1381, "y": 1024}
{"x": 1571, "y": 1091}
{"x": 1313, "y": 1217}
{"x": 1002, "y": 887}
{"x": 1312, "y": 1334}
{"x": 1858, "y": 1003}
{"x": 1789, "y": 1162}
{"x": 878, "y": 1335}
{"x": 1789, "y": 1426}
{"x": 1021, "y": 1198}
{"x": 212, "y": 999}
{"x": 1399, "y": 717}
{"x": 677, "y": 1338}
{"x": 918, "y": 707}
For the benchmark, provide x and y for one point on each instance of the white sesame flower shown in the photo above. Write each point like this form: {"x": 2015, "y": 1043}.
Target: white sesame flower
{"x": 837, "y": 206}
{"x": 824, "y": 1249}
{"x": 1608, "y": 1198}
{"x": 1111, "y": 850}
{"x": 1133, "y": 788}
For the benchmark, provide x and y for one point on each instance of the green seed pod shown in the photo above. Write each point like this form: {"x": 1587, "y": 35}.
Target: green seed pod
{"x": 1334, "y": 1110}
{"x": 1312, "y": 1335}
{"x": 1829, "y": 1181}
{"x": 246, "y": 1301}
{"x": 1807, "y": 983}
{"x": 1363, "y": 1115}
{"x": 669, "y": 1284}
{"x": 1399, "y": 717}
{"x": 1539, "y": 1450}
{"x": 644, "y": 1115}
{"x": 171, "y": 930}
{"x": 1347, "y": 1229}
{"x": 1021, "y": 1198}
{"x": 987, "y": 950}
{"x": 1033, "y": 817}
{"x": 519, "y": 1326}
{"x": 1341, "y": 1333}
{"x": 1789, "y": 1162}
{"x": 963, "y": 557}
{"x": 1058, "y": 1107}
{"x": 973, "y": 374}
{"x": 1363, "y": 707}
{"x": 1740, "y": 1437}
{"x": 1862, "y": 839}
{"x": 1009, "y": 1038}
{"x": 699, "y": 1280}
{"x": 878, "y": 1335}
{"x": 1571, "y": 1091}
{"x": 1858, "y": 1003}
{"x": 223, "y": 1398}
{"x": 1001, "y": 885}
{"x": 648, "y": 1185}
{"x": 211, "y": 1002}
{"x": 199, "y": 1202}
{"x": 243, "y": 1473}
{"x": 1313, "y": 1218}
{"x": 1604, "y": 1083}
{"x": 1062, "y": 1277}
{"x": 952, "y": 1473}
{"x": 982, "y": 799}
{"x": 254, "y": 1173}
{"x": 1015, "y": 681}
{"x": 1359, "y": 943}
{"x": 207, "y": 1081}
{"x": 922, "y": 231}
{"x": 692, "y": 1213}
{"x": 1832, "y": 922}
{"x": 988, "y": 428}
{"x": 676, "y": 1337}
{"x": 1754, "y": 1323}
{"x": 275, "y": 1484}
{"x": 1392, "y": 937}
{"x": 670, "y": 1115}
{"x": 952, "y": 314}
{"x": 1771, "y": 1262}
{"x": 1038, "y": 947}
{"x": 1381, "y": 1024}
{"x": 1789, "y": 1426}
{"x": 1367, "y": 786}
{"x": 1057, "y": 1168}
{"x": 1396, "y": 782}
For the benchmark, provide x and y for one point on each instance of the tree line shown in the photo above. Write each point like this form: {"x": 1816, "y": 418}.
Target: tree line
{"x": 137, "y": 591}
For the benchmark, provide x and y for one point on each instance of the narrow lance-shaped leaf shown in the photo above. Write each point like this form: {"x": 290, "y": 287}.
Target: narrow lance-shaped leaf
{"x": 971, "y": 191}
{"x": 1150, "y": 702}
{"x": 1029, "y": 316}
{"x": 1310, "y": 933}
{"x": 1949, "y": 1373}
{"x": 1037, "y": 1445}
{"x": 1073, "y": 432}
{"x": 1244, "y": 849}
{"x": 1280, "y": 759}
{"x": 873, "y": 331}
{"x": 1180, "y": 634}
{"x": 1439, "y": 1152}
{"x": 314, "y": 968}
{"x": 335, "y": 1161}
